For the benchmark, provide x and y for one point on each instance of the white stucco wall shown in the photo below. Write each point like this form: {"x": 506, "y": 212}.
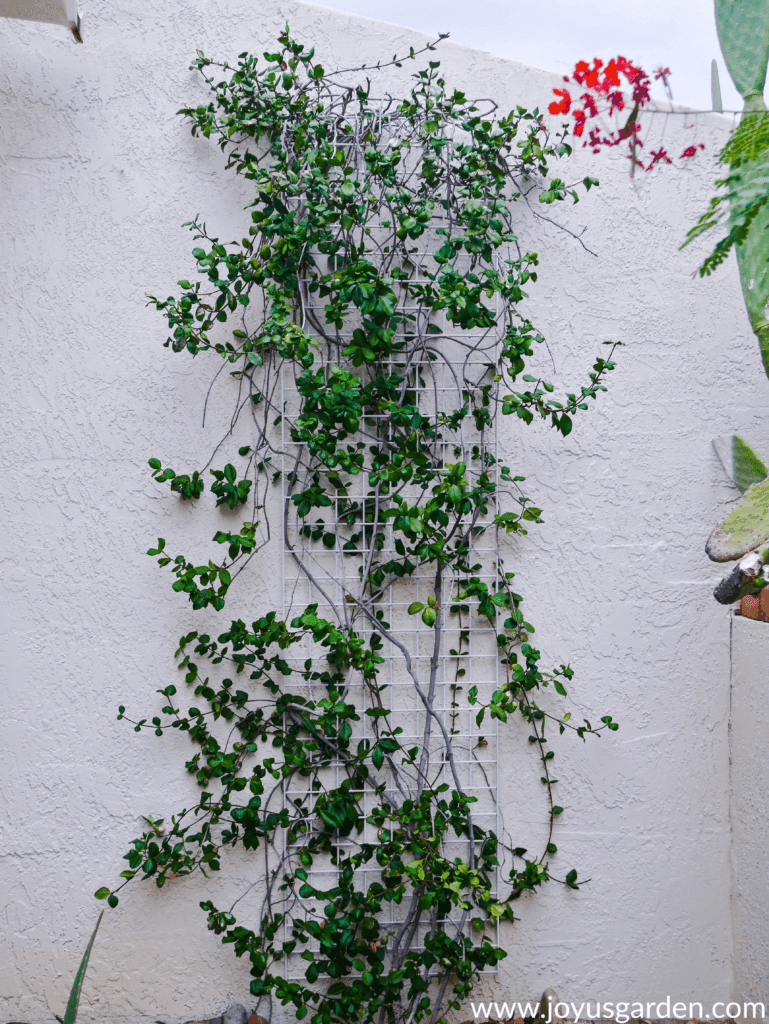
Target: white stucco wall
{"x": 97, "y": 175}
{"x": 750, "y": 808}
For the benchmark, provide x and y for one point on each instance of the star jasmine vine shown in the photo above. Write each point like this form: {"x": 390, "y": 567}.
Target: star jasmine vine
{"x": 371, "y": 322}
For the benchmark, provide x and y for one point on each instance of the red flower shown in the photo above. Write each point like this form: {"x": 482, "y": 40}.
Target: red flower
{"x": 564, "y": 105}
{"x": 579, "y": 122}
{"x": 592, "y": 78}
{"x": 691, "y": 150}
{"x": 595, "y": 141}
{"x": 611, "y": 75}
{"x": 630, "y": 71}
{"x": 581, "y": 68}
{"x": 641, "y": 89}
{"x": 657, "y": 156}
{"x": 603, "y": 80}
{"x": 663, "y": 73}
{"x": 616, "y": 102}
{"x": 590, "y": 108}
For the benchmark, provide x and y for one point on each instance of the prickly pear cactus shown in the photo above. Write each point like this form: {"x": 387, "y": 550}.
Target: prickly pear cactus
{"x": 744, "y": 529}
{"x": 743, "y": 31}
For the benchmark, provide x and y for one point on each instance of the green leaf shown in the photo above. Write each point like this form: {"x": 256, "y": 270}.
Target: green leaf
{"x": 103, "y": 893}
{"x": 414, "y": 607}
{"x": 749, "y": 468}
{"x": 70, "y": 1014}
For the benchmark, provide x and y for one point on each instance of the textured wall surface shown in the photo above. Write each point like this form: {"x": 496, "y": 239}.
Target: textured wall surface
{"x": 97, "y": 175}
{"x": 750, "y": 786}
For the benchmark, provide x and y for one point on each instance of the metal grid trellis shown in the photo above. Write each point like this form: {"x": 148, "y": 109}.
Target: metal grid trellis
{"x": 333, "y": 557}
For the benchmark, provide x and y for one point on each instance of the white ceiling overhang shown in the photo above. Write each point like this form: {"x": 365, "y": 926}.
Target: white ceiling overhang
{"x": 57, "y": 12}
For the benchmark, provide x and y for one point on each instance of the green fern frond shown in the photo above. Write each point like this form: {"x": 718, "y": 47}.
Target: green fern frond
{"x": 737, "y": 235}
{"x": 748, "y": 142}
{"x": 746, "y": 197}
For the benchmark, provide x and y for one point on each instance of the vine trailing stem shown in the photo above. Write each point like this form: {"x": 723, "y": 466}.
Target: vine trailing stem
{"x": 379, "y": 337}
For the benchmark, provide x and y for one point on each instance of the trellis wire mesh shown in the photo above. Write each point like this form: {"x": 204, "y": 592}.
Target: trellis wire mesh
{"x": 314, "y": 573}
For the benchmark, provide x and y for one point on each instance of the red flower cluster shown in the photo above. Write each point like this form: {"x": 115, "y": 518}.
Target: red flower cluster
{"x": 691, "y": 150}
{"x": 606, "y": 79}
{"x": 602, "y": 82}
{"x": 603, "y": 94}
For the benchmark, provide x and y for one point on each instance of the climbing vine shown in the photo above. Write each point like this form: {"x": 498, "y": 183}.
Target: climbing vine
{"x": 371, "y": 323}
